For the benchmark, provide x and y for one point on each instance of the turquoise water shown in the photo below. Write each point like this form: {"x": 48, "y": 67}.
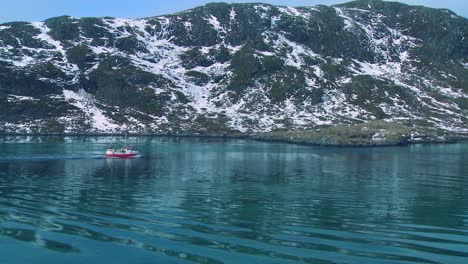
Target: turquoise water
{"x": 191, "y": 200}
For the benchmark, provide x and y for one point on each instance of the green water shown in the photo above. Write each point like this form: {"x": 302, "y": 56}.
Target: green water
{"x": 231, "y": 201}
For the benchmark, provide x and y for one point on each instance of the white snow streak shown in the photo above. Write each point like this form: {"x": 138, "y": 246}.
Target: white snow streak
{"x": 85, "y": 103}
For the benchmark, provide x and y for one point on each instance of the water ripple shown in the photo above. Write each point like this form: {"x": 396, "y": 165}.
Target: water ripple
{"x": 234, "y": 202}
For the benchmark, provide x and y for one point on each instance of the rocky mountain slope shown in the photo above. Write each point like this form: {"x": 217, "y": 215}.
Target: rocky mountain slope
{"x": 237, "y": 68}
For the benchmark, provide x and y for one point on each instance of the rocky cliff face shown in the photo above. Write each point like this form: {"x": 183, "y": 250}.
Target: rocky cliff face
{"x": 226, "y": 68}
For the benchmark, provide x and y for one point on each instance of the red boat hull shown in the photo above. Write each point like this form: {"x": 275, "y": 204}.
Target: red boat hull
{"x": 129, "y": 155}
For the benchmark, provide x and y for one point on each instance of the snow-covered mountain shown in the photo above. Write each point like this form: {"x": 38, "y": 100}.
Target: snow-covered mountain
{"x": 226, "y": 68}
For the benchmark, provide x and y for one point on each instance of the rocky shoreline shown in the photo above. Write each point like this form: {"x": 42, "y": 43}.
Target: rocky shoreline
{"x": 373, "y": 133}
{"x": 430, "y": 140}
{"x": 369, "y": 134}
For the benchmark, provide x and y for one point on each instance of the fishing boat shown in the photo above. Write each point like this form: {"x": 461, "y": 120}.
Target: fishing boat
{"x": 124, "y": 151}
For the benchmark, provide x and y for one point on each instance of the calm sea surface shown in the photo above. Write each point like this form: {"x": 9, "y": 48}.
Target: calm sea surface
{"x": 191, "y": 200}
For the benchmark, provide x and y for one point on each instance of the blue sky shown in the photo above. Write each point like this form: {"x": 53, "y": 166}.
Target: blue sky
{"x": 38, "y": 10}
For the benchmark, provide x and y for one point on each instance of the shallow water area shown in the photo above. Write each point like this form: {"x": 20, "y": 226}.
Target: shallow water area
{"x": 201, "y": 200}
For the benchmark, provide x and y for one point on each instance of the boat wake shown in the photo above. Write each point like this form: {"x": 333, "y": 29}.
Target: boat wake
{"x": 49, "y": 157}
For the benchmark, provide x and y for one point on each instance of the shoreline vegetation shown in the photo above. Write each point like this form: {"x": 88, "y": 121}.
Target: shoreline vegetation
{"x": 369, "y": 134}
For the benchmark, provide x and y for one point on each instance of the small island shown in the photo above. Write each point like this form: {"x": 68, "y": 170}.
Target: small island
{"x": 373, "y": 133}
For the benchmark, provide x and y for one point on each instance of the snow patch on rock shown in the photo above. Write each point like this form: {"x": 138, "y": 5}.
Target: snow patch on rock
{"x": 85, "y": 103}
